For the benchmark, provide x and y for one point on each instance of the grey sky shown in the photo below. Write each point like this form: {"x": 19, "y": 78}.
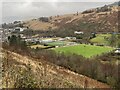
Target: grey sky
{"x": 28, "y": 9}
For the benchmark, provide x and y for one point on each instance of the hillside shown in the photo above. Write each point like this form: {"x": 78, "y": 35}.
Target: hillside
{"x": 102, "y": 19}
{"x": 22, "y": 71}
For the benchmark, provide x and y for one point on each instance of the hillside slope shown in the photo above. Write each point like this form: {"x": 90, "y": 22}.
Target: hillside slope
{"x": 103, "y": 19}
{"x": 22, "y": 71}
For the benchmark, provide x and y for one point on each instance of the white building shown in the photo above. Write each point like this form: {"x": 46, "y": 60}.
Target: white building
{"x": 117, "y": 50}
{"x": 69, "y": 38}
{"x": 19, "y": 29}
{"x": 76, "y": 32}
{"x": 61, "y": 39}
{"x": 46, "y": 40}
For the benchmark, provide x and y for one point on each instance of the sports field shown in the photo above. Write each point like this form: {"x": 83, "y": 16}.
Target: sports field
{"x": 84, "y": 50}
{"x": 58, "y": 43}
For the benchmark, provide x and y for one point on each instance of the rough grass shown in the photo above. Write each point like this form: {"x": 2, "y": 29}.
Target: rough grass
{"x": 101, "y": 39}
{"x": 84, "y": 50}
{"x": 27, "y": 72}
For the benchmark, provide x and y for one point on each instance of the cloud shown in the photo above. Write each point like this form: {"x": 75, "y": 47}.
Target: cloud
{"x": 26, "y": 9}
{"x": 60, "y": 0}
{"x": 0, "y": 13}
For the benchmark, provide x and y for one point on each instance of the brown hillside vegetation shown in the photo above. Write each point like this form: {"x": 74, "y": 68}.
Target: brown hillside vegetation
{"x": 98, "y": 20}
{"x": 22, "y": 71}
{"x": 39, "y": 25}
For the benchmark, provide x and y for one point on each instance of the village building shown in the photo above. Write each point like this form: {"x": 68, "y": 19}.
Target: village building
{"x": 78, "y": 32}
{"x": 46, "y": 40}
{"x": 19, "y": 29}
{"x": 117, "y": 51}
{"x": 70, "y": 38}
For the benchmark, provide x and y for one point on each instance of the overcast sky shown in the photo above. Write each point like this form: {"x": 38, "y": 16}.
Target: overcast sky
{"x": 28, "y": 9}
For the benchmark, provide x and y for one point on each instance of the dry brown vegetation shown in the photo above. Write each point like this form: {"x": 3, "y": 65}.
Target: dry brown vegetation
{"x": 106, "y": 21}
{"x": 39, "y": 25}
{"x": 23, "y": 71}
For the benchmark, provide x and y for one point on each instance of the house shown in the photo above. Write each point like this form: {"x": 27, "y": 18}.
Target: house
{"x": 70, "y": 38}
{"x": 61, "y": 39}
{"x": 1, "y": 28}
{"x": 19, "y": 29}
{"x": 30, "y": 40}
{"x": 23, "y": 37}
{"x": 78, "y": 32}
{"x": 46, "y": 40}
